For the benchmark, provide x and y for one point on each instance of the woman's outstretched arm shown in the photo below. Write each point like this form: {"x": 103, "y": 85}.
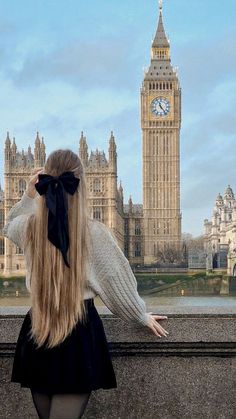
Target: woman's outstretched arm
{"x": 114, "y": 279}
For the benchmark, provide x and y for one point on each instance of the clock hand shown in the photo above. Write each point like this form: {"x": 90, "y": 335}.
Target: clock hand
{"x": 161, "y": 107}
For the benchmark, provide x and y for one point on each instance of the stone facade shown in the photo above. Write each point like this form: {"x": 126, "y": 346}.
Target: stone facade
{"x": 220, "y": 233}
{"x": 140, "y": 229}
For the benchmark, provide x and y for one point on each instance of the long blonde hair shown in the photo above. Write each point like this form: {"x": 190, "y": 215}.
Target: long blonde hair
{"x": 56, "y": 290}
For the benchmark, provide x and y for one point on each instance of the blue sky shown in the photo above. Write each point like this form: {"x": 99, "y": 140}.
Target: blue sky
{"x": 68, "y": 66}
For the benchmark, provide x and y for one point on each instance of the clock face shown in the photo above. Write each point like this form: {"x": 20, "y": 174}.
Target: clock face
{"x": 160, "y": 106}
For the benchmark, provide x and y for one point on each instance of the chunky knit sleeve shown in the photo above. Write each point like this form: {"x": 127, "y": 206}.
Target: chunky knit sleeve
{"x": 16, "y": 221}
{"x": 115, "y": 282}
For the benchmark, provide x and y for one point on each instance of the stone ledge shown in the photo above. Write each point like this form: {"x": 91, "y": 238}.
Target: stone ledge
{"x": 221, "y": 349}
{"x": 189, "y": 374}
{"x": 162, "y": 310}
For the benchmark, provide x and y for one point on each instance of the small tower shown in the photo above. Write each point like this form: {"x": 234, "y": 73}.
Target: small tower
{"x": 23, "y": 159}
{"x": 219, "y": 201}
{"x": 7, "y": 151}
{"x": 121, "y": 191}
{"x": 43, "y": 153}
{"x": 228, "y": 195}
{"x": 29, "y": 150}
{"x": 83, "y": 149}
{"x": 1, "y": 193}
{"x": 112, "y": 152}
{"x": 37, "y": 151}
{"x": 14, "y": 148}
{"x": 130, "y": 205}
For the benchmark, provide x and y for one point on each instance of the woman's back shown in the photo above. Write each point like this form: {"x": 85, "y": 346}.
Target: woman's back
{"x": 109, "y": 273}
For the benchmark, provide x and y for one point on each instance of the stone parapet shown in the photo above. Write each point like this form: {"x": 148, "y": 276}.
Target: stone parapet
{"x": 189, "y": 374}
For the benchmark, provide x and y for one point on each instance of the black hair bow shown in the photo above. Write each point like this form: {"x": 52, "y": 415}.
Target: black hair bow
{"x": 55, "y": 188}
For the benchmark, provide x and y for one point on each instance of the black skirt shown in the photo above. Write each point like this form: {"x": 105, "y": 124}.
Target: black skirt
{"x": 81, "y": 363}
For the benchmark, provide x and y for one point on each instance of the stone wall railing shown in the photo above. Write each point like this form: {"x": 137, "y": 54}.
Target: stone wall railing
{"x": 191, "y": 374}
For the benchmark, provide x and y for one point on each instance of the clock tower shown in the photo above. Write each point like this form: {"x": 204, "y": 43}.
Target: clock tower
{"x": 161, "y": 122}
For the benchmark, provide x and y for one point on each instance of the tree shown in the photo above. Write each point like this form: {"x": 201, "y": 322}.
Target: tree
{"x": 169, "y": 253}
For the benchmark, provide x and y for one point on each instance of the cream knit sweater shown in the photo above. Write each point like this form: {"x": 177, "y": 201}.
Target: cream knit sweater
{"x": 109, "y": 273}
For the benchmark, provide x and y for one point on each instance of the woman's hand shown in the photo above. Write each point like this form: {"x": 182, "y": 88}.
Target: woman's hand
{"x": 30, "y": 190}
{"x": 153, "y": 324}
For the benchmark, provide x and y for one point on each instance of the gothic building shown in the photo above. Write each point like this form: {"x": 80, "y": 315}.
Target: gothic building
{"x": 140, "y": 229}
{"x": 220, "y": 233}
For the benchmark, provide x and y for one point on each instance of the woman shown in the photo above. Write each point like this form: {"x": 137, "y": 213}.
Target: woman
{"x": 62, "y": 352}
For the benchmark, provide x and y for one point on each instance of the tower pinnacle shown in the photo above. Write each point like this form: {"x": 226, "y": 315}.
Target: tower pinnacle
{"x": 160, "y": 40}
{"x": 160, "y": 44}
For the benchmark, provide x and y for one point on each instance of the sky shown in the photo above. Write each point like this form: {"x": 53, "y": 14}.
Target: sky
{"x": 68, "y": 66}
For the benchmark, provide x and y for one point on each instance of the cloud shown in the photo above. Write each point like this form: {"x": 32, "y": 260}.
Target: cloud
{"x": 208, "y": 134}
{"x": 202, "y": 65}
{"x": 6, "y": 28}
{"x": 7, "y": 33}
{"x": 60, "y": 100}
{"x": 106, "y": 61}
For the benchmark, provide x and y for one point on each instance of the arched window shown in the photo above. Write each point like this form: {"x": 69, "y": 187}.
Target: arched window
{"x": 126, "y": 249}
{"x": 2, "y": 247}
{"x": 1, "y": 218}
{"x": 126, "y": 226}
{"x": 167, "y": 227}
{"x": 97, "y": 213}
{"x": 137, "y": 251}
{"x": 97, "y": 185}
{"x": 154, "y": 227}
{"x": 137, "y": 228}
{"x": 22, "y": 186}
